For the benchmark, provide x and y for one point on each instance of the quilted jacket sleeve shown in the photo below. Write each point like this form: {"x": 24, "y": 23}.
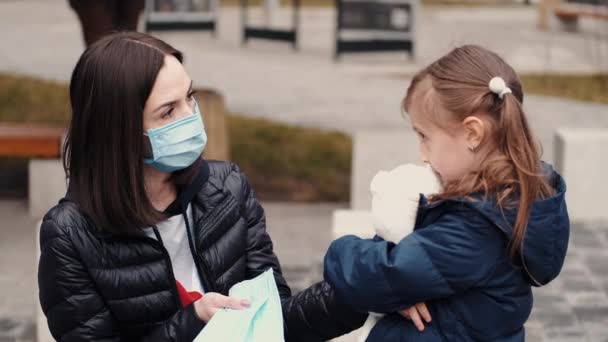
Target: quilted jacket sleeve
{"x": 317, "y": 314}
{"x": 75, "y": 310}
{"x": 259, "y": 251}
{"x": 452, "y": 255}
{"x": 312, "y": 315}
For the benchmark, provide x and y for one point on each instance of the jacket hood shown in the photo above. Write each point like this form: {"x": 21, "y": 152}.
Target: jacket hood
{"x": 545, "y": 243}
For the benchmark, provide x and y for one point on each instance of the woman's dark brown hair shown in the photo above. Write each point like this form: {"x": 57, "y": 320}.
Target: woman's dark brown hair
{"x": 459, "y": 83}
{"x": 105, "y": 146}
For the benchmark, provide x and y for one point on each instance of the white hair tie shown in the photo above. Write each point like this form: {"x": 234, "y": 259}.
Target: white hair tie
{"x": 499, "y": 87}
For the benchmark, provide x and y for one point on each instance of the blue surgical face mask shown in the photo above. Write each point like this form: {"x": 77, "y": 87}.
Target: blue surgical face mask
{"x": 179, "y": 144}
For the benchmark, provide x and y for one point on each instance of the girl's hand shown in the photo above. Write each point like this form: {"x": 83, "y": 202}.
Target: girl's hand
{"x": 212, "y": 302}
{"x": 416, "y": 313}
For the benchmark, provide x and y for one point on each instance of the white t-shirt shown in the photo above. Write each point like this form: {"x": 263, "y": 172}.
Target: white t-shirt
{"x": 175, "y": 239}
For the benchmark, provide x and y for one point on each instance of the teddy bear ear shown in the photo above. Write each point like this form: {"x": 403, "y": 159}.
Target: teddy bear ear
{"x": 377, "y": 181}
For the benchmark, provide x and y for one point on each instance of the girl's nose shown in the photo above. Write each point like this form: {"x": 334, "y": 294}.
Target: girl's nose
{"x": 423, "y": 157}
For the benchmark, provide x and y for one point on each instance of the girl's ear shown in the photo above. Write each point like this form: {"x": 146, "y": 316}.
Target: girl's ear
{"x": 475, "y": 131}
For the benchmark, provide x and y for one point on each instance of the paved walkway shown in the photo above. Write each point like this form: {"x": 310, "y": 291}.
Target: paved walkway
{"x": 572, "y": 308}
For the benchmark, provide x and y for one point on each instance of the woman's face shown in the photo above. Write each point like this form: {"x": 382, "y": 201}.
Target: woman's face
{"x": 171, "y": 98}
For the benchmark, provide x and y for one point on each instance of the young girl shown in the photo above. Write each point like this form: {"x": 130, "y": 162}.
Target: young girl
{"x": 499, "y": 227}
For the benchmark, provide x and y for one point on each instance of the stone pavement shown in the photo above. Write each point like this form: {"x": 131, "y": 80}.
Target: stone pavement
{"x": 575, "y": 306}
{"x": 572, "y": 308}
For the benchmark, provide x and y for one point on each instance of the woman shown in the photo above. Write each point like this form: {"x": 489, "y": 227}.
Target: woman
{"x": 150, "y": 237}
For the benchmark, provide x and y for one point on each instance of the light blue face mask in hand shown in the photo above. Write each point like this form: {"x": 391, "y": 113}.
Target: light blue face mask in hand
{"x": 261, "y": 322}
{"x": 177, "y": 145}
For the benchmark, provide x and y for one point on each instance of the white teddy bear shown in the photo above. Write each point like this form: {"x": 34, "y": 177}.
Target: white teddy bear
{"x": 395, "y": 198}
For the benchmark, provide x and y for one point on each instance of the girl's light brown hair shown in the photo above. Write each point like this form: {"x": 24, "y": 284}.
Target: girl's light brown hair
{"x": 512, "y": 170}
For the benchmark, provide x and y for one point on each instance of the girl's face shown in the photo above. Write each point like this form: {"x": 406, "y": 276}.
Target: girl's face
{"x": 171, "y": 98}
{"x": 449, "y": 149}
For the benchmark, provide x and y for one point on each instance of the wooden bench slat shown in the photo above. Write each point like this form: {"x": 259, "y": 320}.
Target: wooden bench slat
{"x": 8, "y": 130}
{"x": 572, "y": 11}
{"x": 32, "y": 148}
{"x": 30, "y": 141}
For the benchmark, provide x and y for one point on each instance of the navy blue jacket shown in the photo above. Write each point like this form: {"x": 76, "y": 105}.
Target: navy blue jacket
{"x": 456, "y": 261}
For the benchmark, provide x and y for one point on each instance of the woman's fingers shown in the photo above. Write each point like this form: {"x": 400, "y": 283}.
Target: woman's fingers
{"x": 213, "y": 311}
{"x": 212, "y": 302}
{"x": 231, "y": 303}
{"x": 424, "y": 312}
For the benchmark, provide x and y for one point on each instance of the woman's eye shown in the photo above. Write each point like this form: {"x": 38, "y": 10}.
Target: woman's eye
{"x": 167, "y": 114}
{"x": 191, "y": 95}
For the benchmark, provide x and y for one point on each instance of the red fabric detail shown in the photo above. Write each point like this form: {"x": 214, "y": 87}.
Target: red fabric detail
{"x": 186, "y": 297}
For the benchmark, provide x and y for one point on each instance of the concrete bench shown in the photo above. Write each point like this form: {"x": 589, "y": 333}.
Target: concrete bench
{"x": 569, "y": 14}
{"x": 581, "y": 156}
{"x": 352, "y": 222}
{"x": 42, "y": 145}
{"x": 47, "y": 185}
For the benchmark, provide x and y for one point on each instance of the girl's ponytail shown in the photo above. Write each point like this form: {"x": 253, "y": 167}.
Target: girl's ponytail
{"x": 517, "y": 144}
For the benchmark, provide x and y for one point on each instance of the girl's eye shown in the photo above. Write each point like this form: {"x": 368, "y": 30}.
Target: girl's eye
{"x": 422, "y": 136}
{"x": 191, "y": 95}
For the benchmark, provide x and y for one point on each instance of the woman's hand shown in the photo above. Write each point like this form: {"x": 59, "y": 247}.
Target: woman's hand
{"x": 212, "y": 302}
{"x": 416, "y": 313}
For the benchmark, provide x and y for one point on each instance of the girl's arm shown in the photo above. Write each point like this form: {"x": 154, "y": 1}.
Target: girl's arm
{"x": 446, "y": 258}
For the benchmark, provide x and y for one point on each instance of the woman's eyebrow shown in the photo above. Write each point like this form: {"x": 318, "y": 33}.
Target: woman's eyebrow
{"x": 172, "y": 102}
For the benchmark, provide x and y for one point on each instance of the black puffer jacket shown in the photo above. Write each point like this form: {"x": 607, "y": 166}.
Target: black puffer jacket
{"x": 95, "y": 286}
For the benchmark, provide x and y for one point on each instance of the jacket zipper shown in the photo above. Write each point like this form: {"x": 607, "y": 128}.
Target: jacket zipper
{"x": 199, "y": 263}
{"x": 169, "y": 266}
{"x": 210, "y": 221}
